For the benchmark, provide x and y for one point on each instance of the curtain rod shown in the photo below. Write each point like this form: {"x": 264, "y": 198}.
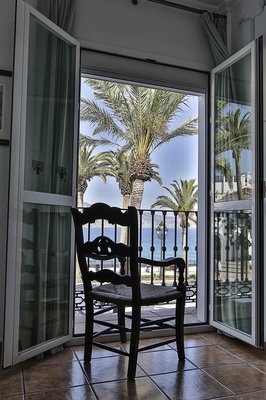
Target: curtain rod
{"x": 180, "y": 6}
{"x": 175, "y": 5}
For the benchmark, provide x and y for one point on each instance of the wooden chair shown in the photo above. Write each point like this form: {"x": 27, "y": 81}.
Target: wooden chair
{"x": 120, "y": 289}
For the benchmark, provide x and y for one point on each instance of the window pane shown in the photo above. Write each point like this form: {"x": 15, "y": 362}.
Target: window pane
{"x": 233, "y": 169}
{"x": 50, "y": 112}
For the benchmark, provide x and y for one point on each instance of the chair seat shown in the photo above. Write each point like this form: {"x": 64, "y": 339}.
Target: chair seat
{"x": 122, "y": 294}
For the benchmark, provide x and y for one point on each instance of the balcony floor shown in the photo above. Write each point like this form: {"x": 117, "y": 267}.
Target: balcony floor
{"x": 216, "y": 367}
{"x": 150, "y": 312}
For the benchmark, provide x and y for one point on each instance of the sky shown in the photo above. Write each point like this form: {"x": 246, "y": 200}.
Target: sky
{"x": 177, "y": 160}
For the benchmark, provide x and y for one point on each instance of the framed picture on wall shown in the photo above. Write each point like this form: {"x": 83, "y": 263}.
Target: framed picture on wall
{"x": 5, "y": 106}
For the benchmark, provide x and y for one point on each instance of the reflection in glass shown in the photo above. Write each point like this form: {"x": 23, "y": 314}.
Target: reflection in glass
{"x": 44, "y": 293}
{"x": 232, "y": 136}
{"x": 50, "y": 112}
{"x": 233, "y": 270}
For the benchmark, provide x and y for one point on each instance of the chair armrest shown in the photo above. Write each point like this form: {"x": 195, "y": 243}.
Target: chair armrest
{"x": 161, "y": 263}
{"x": 177, "y": 261}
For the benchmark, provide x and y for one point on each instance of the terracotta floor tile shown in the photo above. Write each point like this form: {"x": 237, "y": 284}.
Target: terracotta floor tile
{"x": 210, "y": 356}
{"x": 261, "y": 365}
{"x": 246, "y": 352}
{"x": 161, "y": 362}
{"x": 219, "y": 339}
{"x": 66, "y": 355}
{"x": 216, "y": 367}
{"x": 193, "y": 384}
{"x": 139, "y": 389}
{"x": 108, "y": 369}
{"x": 11, "y": 381}
{"x": 74, "y": 393}
{"x": 45, "y": 376}
{"x": 254, "y": 396}
{"x": 239, "y": 378}
{"x": 236, "y": 347}
{"x": 147, "y": 342}
{"x": 79, "y": 352}
{"x": 194, "y": 340}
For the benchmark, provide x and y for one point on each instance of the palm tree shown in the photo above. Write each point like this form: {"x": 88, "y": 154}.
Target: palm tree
{"x": 235, "y": 135}
{"x": 122, "y": 163}
{"x": 90, "y": 166}
{"x": 184, "y": 197}
{"x": 224, "y": 167}
{"x": 141, "y": 118}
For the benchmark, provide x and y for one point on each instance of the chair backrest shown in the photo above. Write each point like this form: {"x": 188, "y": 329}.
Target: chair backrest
{"x": 103, "y": 247}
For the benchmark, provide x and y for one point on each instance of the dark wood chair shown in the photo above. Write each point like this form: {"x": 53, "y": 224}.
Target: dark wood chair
{"x": 123, "y": 288}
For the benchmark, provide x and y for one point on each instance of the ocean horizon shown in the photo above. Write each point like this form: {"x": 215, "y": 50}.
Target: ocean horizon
{"x": 145, "y": 241}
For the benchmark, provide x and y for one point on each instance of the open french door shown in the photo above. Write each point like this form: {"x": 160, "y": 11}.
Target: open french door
{"x": 236, "y": 195}
{"x": 39, "y": 287}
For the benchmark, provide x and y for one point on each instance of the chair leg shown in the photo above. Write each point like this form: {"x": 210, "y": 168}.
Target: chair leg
{"x": 179, "y": 330}
{"x": 88, "y": 331}
{"x": 134, "y": 342}
{"x": 122, "y": 322}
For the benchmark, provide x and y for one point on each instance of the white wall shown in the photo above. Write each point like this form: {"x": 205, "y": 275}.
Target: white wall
{"x": 7, "y": 14}
{"x": 147, "y": 31}
{"x": 254, "y": 24}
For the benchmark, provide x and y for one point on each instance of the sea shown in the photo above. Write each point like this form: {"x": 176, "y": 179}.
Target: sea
{"x": 147, "y": 236}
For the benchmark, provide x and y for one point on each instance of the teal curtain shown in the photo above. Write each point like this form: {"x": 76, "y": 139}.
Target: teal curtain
{"x": 61, "y": 12}
{"x": 215, "y": 26}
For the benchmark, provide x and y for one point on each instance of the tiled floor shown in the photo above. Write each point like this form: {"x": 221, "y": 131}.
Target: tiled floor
{"x": 216, "y": 367}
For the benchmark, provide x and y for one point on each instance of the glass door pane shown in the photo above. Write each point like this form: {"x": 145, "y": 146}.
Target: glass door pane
{"x": 234, "y": 204}
{"x": 232, "y": 135}
{"x": 233, "y": 270}
{"x": 50, "y": 116}
{"x": 40, "y": 252}
{"x": 45, "y": 274}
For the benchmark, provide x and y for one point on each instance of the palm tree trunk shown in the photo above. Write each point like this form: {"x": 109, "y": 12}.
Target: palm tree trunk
{"x": 183, "y": 242}
{"x": 126, "y": 200}
{"x": 137, "y": 193}
{"x": 80, "y": 198}
{"x": 238, "y": 178}
{"x": 123, "y": 236}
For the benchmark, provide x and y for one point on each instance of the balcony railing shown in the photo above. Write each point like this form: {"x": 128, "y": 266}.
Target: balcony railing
{"x": 162, "y": 234}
